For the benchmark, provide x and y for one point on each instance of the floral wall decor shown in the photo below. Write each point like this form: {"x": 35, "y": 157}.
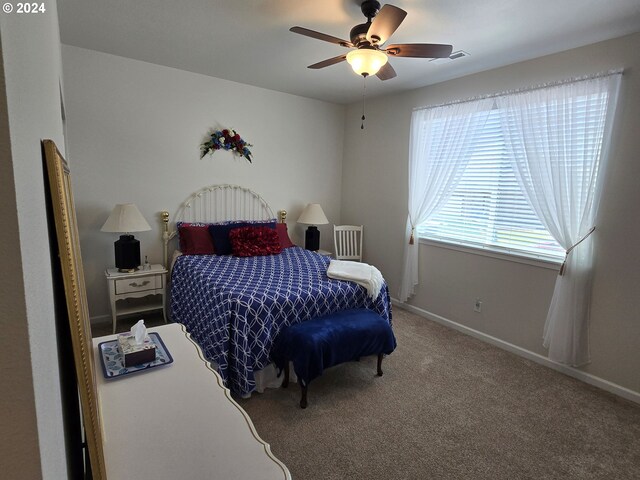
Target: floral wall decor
{"x": 226, "y": 139}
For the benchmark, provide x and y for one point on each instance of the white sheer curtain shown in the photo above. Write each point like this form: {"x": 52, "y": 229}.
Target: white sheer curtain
{"x": 558, "y": 139}
{"x": 439, "y": 148}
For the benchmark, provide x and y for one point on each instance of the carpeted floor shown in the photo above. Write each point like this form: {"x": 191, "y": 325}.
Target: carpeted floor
{"x": 449, "y": 407}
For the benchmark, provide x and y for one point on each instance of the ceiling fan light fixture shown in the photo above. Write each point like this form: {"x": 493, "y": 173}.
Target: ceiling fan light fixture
{"x": 366, "y": 61}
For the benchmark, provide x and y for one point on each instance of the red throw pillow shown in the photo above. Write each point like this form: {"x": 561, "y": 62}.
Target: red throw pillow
{"x": 254, "y": 241}
{"x": 220, "y": 232}
{"x": 195, "y": 240}
{"x": 283, "y": 234}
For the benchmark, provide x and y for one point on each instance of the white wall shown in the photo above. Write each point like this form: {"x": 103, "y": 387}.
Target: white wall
{"x": 134, "y": 131}
{"x": 32, "y": 443}
{"x": 515, "y": 296}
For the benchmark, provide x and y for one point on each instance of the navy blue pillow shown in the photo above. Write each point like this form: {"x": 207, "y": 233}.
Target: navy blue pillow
{"x": 220, "y": 234}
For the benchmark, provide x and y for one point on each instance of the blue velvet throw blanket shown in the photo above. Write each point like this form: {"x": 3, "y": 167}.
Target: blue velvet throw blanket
{"x": 324, "y": 342}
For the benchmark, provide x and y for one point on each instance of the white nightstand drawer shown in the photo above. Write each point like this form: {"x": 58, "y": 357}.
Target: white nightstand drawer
{"x": 141, "y": 284}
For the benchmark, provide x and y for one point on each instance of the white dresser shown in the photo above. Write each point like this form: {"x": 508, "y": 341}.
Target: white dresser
{"x": 177, "y": 421}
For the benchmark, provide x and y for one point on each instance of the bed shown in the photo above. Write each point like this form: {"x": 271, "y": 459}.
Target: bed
{"x": 234, "y": 307}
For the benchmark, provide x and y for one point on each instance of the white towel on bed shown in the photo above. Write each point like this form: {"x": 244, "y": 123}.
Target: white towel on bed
{"x": 361, "y": 273}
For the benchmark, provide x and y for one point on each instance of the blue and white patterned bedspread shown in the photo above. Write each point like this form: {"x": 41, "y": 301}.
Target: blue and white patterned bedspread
{"x": 234, "y": 307}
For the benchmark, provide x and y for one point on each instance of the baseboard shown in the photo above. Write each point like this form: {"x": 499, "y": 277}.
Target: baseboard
{"x": 571, "y": 371}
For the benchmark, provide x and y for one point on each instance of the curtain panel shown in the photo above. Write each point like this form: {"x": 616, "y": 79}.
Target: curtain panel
{"x": 558, "y": 143}
{"x": 440, "y": 146}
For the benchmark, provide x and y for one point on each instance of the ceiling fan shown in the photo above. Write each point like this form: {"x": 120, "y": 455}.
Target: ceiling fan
{"x": 369, "y": 57}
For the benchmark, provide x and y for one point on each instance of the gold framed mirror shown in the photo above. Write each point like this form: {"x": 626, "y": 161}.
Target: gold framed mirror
{"x": 76, "y": 299}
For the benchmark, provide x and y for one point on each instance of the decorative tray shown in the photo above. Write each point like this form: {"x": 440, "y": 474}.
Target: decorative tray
{"x": 113, "y": 365}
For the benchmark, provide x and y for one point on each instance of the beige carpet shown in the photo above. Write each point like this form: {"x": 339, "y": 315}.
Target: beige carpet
{"x": 449, "y": 407}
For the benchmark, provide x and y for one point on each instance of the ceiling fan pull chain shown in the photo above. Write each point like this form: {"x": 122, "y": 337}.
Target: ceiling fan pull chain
{"x": 364, "y": 95}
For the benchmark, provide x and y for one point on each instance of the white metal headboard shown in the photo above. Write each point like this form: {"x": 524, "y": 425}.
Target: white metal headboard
{"x": 217, "y": 203}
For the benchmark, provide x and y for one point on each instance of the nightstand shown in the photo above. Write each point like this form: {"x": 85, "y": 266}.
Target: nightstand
{"x": 139, "y": 284}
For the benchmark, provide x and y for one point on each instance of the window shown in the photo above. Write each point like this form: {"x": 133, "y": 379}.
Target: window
{"x": 534, "y": 156}
{"x": 487, "y": 209}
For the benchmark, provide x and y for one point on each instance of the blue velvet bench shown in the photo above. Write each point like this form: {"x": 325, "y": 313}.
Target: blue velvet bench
{"x": 327, "y": 341}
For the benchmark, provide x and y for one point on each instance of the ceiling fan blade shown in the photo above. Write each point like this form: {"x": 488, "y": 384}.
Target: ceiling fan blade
{"x": 385, "y": 23}
{"x": 386, "y": 72}
{"x": 329, "y": 61}
{"x": 419, "y": 50}
{"x": 320, "y": 36}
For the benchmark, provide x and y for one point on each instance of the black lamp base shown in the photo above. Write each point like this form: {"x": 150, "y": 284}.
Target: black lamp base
{"x": 127, "y": 250}
{"x": 312, "y": 239}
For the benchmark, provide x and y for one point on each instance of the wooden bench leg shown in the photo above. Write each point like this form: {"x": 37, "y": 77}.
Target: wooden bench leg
{"x": 380, "y": 355}
{"x": 285, "y": 382}
{"x": 303, "y": 400}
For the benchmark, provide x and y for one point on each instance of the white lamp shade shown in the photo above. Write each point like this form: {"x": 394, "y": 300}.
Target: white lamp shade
{"x": 125, "y": 218}
{"x": 313, "y": 215}
{"x": 366, "y": 61}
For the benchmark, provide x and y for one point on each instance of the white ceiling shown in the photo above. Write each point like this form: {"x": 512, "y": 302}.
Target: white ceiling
{"x": 248, "y": 41}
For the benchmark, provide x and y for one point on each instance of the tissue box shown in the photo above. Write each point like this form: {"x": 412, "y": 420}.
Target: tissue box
{"x": 134, "y": 354}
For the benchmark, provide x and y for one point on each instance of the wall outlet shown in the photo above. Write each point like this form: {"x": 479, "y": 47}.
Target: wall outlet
{"x": 478, "y": 306}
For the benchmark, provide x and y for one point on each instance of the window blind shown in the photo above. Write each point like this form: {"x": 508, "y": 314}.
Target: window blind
{"x": 487, "y": 208}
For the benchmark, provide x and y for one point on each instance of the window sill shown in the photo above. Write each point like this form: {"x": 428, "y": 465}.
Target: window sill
{"x": 509, "y": 257}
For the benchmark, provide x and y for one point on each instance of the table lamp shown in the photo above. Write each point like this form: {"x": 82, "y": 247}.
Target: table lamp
{"x": 126, "y": 218}
{"x": 312, "y": 215}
